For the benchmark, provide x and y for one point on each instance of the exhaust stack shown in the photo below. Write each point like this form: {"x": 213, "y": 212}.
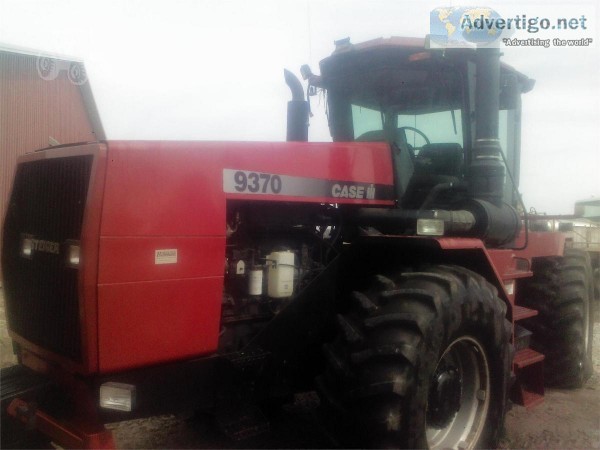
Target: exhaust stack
{"x": 297, "y": 110}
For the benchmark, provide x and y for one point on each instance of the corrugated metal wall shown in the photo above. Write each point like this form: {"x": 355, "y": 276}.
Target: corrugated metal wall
{"x": 32, "y": 110}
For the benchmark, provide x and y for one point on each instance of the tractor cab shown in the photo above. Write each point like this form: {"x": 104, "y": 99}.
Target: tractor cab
{"x": 422, "y": 102}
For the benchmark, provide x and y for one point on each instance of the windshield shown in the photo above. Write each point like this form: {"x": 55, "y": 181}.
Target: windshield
{"x": 415, "y": 130}
{"x": 416, "y": 105}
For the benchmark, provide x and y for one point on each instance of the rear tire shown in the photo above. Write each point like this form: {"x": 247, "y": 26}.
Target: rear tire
{"x": 421, "y": 361}
{"x": 562, "y": 291}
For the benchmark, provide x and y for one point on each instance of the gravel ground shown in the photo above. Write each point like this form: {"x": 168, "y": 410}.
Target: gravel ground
{"x": 568, "y": 419}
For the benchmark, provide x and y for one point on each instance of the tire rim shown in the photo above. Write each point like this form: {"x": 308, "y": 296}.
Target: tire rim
{"x": 465, "y": 362}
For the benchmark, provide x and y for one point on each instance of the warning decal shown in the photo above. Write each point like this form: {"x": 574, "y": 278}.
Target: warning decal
{"x": 166, "y": 256}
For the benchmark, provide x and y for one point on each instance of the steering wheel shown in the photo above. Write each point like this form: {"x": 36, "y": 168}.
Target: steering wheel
{"x": 416, "y": 130}
{"x": 379, "y": 135}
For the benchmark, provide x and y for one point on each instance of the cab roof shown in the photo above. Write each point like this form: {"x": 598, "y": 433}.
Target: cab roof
{"x": 402, "y": 50}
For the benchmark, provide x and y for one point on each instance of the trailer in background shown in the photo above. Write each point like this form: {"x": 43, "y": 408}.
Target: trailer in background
{"x": 582, "y": 230}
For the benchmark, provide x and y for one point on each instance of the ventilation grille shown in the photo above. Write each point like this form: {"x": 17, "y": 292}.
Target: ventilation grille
{"x": 47, "y": 204}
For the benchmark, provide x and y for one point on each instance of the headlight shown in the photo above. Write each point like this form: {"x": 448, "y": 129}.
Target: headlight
{"x": 73, "y": 254}
{"x": 117, "y": 396}
{"x": 430, "y": 227}
{"x": 26, "y": 247}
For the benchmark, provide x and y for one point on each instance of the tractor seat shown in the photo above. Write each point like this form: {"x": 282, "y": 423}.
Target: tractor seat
{"x": 371, "y": 136}
{"x": 440, "y": 159}
{"x": 435, "y": 164}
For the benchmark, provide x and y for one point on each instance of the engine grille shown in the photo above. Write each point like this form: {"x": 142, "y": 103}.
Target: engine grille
{"x": 47, "y": 203}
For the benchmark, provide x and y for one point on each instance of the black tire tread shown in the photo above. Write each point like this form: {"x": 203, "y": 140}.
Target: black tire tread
{"x": 561, "y": 290}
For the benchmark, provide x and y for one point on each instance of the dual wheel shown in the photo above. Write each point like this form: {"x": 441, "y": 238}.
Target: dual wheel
{"x": 422, "y": 359}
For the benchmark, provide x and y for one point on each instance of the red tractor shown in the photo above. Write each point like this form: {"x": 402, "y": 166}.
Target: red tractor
{"x": 392, "y": 270}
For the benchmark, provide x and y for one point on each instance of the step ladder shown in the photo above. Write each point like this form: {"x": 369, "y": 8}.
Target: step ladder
{"x": 528, "y": 365}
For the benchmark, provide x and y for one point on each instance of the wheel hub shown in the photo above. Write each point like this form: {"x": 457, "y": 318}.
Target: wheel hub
{"x": 444, "y": 396}
{"x": 458, "y": 397}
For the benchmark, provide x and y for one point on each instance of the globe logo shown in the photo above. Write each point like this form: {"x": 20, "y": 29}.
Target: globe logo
{"x": 464, "y": 26}
{"x": 479, "y": 25}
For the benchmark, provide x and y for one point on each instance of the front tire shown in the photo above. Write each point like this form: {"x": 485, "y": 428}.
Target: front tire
{"x": 422, "y": 360}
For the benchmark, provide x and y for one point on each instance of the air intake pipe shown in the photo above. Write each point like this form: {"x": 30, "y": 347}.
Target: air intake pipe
{"x": 487, "y": 172}
{"x": 495, "y": 225}
{"x": 297, "y": 110}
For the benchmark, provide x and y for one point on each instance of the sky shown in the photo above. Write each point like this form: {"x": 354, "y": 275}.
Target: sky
{"x": 213, "y": 70}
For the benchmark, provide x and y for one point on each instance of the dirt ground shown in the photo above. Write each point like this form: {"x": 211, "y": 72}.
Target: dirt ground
{"x": 566, "y": 420}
